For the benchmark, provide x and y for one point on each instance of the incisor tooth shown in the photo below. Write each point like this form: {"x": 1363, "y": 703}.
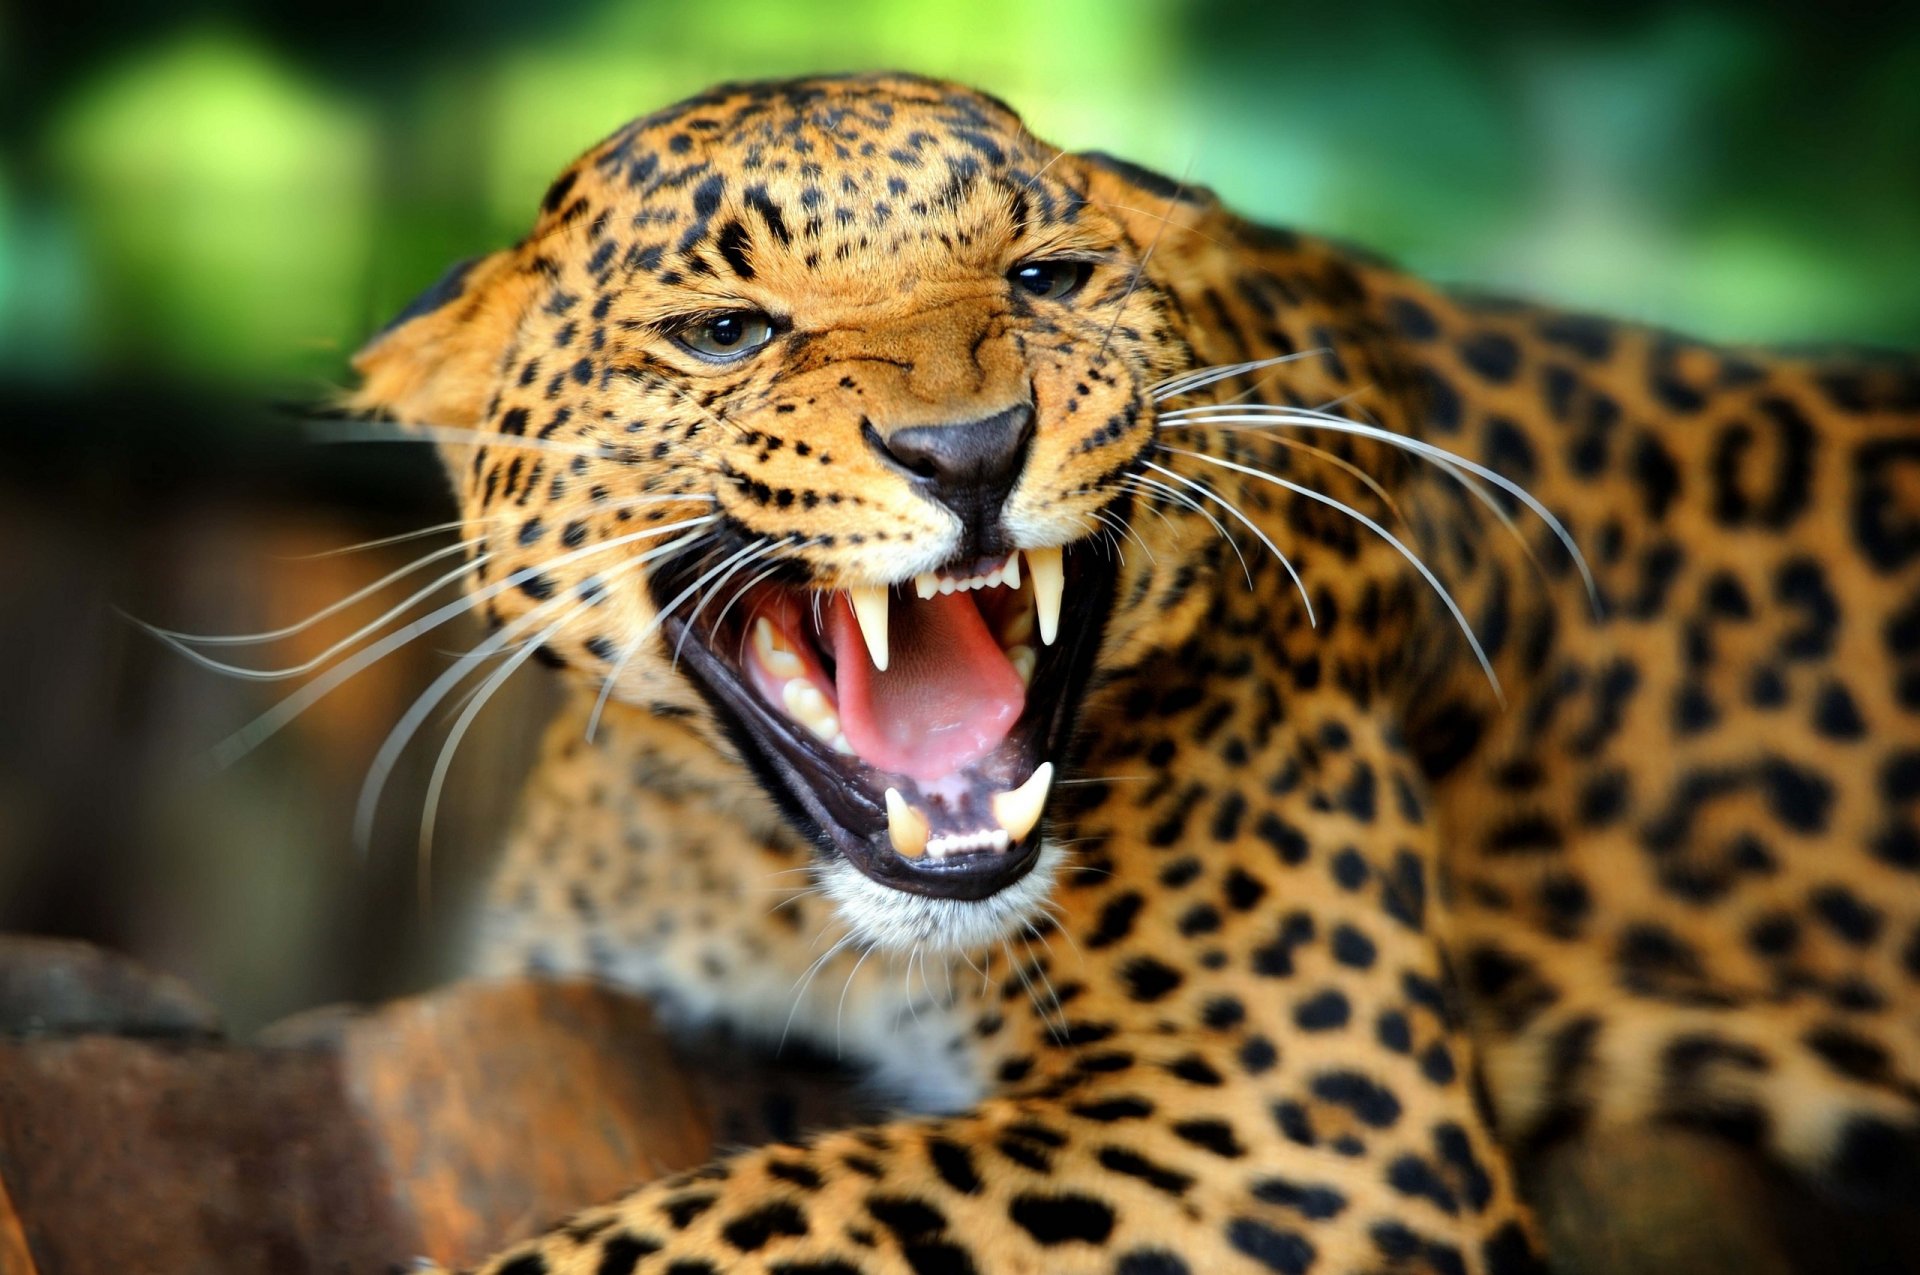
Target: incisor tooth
{"x": 870, "y": 609}
{"x": 1049, "y": 582}
{"x": 906, "y": 827}
{"x": 1010, "y": 574}
{"x": 926, "y": 584}
{"x": 1018, "y": 811}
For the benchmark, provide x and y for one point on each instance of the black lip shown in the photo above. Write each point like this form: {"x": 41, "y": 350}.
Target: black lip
{"x": 832, "y": 800}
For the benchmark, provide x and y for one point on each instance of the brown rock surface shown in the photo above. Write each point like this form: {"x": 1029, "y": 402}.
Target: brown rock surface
{"x": 60, "y": 986}
{"x": 498, "y": 1107}
{"x": 441, "y": 1126}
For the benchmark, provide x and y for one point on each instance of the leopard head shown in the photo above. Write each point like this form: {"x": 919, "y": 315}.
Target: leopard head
{"x": 804, "y": 416}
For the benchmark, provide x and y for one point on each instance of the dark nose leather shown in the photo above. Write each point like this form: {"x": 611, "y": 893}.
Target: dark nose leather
{"x": 969, "y": 466}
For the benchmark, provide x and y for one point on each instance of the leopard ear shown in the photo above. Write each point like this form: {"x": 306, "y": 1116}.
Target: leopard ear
{"x": 436, "y": 363}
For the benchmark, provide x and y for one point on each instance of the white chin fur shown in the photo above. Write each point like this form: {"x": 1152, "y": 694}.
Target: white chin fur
{"x": 896, "y": 921}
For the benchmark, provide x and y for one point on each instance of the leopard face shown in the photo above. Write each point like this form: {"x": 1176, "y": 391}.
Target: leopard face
{"x": 805, "y": 415}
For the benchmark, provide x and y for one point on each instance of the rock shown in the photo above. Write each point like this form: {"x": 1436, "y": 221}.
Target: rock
{"x": 135, "y": 1155}
{"x": 499, "y": 1107}
{"x": 442, "y": 1126}
{"x": 56, "y": 986}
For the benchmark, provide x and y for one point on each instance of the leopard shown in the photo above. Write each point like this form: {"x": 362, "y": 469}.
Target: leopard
{"x": 1236, "y": 743}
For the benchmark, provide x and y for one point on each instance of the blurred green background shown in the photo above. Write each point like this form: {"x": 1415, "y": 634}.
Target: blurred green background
{"x": 205, "y": 205}
{"x": 239, "y": 192}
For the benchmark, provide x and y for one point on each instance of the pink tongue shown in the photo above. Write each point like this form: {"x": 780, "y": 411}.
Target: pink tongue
{"x": 948, "y": 697}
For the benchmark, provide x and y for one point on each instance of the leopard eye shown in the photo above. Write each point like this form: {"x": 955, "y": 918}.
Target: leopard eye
{"x": 726, "y": 336}
{"x": 1051, "y": 280}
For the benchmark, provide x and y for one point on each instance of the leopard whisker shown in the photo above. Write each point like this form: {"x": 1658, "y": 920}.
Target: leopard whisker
{"x": 269, "y": 723}
{"x": 788, "y": 872}
{"x": 839, "y": 1039}
{"x": 1058, "y": 1031}
{"x": 1245, "y": 521}
{"x": 1045, "y": 980}
{"x": 789, "y": 895}
{"x": 1261, "y": 416}
{"x": 1147, "y": 503}
{"x": 968, "y": 958}
{"x": 805, "y": 981}
{"x": 178, "y": 636}
{"x": 1042, "y": 170}
{"x": 1059, "y": 915}
{"x": 436, "y": 782}
{"x": 1115, "y": 521}
{"x": 175, "y": 637}
{"x": 906, "y": 987}
{"x": 388, "y": 755}
{"x": 721, "y": 619}
{"x": 1165, "y": 217}
{"x": 647, "y": 630}
{"x": 1140, "y": 269}
{"x": 793, "y": 897}
{"x": 327, "y": 655}
{"x": 766, "y": 547}
{"x": 1486, "y": 498}
{"x": 1473, "y": 640}
{"x": 1188, "y": 382}
{"x": 1360, "y": 475}
{"x": 638, "y": 373}
{"x": 1480, "y": 493}
{"x": 1089, "y": 869}
{"x": 453, "y": 436}
{"x": 380, "y": 543}
{"x": 1183, "y": 499}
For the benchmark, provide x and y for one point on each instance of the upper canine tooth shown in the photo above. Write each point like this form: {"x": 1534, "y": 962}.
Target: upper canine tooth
{"x": 1019, "y": 810}
{"x": 870, "y": 609}
{"x": 926, "y": 584}
{"x": 906, "y": 827}
{"x": 1049, "y": 582}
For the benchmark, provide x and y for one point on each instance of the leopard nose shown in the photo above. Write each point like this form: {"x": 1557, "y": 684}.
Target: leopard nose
{"x": 969, "y": 466}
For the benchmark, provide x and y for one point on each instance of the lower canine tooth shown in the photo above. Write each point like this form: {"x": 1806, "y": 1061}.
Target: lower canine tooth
{"x": 1019, "y": 810}
{"x": 870, "y": 609}
{"x": 1049, "y": 583}
{"x": 1023, "y": 659}
{"x": 906, "y": 827}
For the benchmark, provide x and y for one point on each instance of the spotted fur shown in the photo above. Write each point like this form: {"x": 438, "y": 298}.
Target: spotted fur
{"x": 1326, "y": 930}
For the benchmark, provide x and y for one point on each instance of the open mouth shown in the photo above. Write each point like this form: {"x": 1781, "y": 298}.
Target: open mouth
{"x": 916, "y": 727}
